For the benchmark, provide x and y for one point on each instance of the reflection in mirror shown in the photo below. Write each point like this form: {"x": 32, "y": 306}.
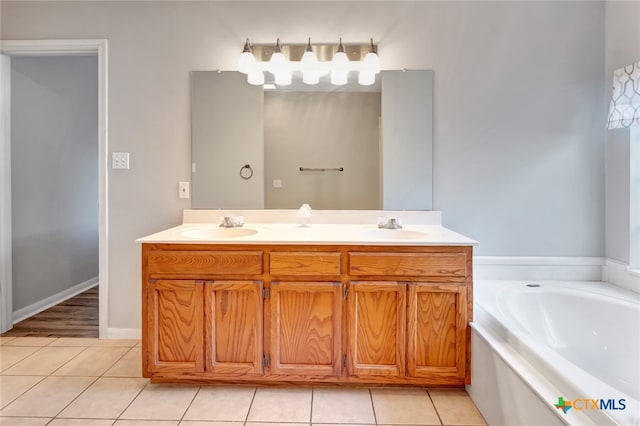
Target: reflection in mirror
{"x": 381, "y": 141}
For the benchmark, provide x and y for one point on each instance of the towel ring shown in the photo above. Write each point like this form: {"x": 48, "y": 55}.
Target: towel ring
{"x": 246, "y": 174}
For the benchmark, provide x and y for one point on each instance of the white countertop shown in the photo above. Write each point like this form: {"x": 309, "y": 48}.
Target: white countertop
{"x": 337, "y": 234}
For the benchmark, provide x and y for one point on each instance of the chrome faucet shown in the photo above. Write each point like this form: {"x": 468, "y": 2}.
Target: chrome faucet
{"x": 231, "y": 222}
{"x": 391, "y": 223}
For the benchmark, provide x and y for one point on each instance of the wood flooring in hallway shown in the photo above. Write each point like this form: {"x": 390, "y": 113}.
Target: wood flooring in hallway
{"x": 75, "y": 317}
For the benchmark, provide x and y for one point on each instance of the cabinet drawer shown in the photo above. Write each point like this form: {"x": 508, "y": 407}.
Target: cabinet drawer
{"x": 408, "y": 264}
{"x": 304, "y": 263}
{"x": 205, "y": 262}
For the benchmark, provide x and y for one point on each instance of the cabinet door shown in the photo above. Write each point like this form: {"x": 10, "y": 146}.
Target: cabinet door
{"x": 306, "y": 321}
{"x": 233, "y": 327}
{"x": 377, "y": 328}
{"x": 175, "y": 312}
{"x": 436, "y": 331}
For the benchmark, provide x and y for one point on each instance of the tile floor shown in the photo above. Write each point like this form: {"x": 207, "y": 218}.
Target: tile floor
{"x": 91, "y": 382}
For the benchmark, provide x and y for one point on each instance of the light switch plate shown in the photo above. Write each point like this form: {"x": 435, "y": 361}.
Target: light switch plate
{"x": 120, "y": 160}
{"x": 277, "y": 183}
{"x": 183, "y": 188}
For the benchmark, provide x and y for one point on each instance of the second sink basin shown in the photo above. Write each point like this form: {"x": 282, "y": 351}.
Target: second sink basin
{"x": 395, "y": 234}
{"x": 215, "y": 233}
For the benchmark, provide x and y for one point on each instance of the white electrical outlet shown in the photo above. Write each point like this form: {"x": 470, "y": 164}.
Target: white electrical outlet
{"x": 120, "y": 160}
{"x": 277, "y": 183}
{"x": 183, "y": 188}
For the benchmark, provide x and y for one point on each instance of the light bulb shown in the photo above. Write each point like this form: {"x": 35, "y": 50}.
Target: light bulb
{"x": 255, "y": 77}
{"x": 277, "y": 63}
{"x": 310, "y": 77}
{"x": 309, "y": 61}
{"x": 283, "y": 78}
{"x": 339, "y": 78}
{"x": 371, "y": 61}
{"x": 247, "y": 61}
{"x": 340, "y": 61}
{"x": 366, "y": 78}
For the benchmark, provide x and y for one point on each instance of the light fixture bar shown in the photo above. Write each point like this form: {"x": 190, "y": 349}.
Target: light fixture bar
{"x": 313, "y": 60}
{"x": 324, "y": 52}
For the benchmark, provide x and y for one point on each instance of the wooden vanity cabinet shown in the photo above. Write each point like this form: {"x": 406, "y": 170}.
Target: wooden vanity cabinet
{"x": 233, "y": 327}
{"x": 436, "y": 331}
{"x": 376, "y": 324}
{"x": 307, "y": 314}
{"x": 174, "y": 312}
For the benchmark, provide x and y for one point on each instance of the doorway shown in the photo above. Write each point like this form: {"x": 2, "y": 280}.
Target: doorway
{"x": 96, "y": 270}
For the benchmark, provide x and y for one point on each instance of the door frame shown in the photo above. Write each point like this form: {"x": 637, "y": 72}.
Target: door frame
{"x": 9, "y": 48}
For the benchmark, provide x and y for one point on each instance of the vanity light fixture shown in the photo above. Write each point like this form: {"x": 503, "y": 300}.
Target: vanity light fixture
{"x": 313, "y": 61}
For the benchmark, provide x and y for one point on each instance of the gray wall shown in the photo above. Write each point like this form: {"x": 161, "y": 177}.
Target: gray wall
{"x": 54, "y": 175}
{"x": 519, "y": 107}
{"x": 322, "y": 130}
{"x": 622, "y": 48}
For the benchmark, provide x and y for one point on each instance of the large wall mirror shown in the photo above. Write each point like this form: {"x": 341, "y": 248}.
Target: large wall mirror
{"x": 348, "y": 147}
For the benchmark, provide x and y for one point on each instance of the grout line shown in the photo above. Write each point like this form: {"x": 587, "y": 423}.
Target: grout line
{"x": 133, "y": 399}
{"x": 190, "y": 404}
{"x": 113, "y": 365}
{"x": 373, "y": 407}
{"x": 246, "y": 418}
{"x": 434, "y": 406}
{"x": 311, "y": 407}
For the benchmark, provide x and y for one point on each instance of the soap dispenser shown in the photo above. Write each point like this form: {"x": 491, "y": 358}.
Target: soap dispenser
{"x": 304, "y": 214}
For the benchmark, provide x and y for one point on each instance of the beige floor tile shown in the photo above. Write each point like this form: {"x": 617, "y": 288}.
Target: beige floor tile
{"x": 130, "y": 365}
{"x": 91, "y": 362}
{"x": 121, "y": 343}
{"x": 455, "y": 407}
{"x": 276, "y": 424}
{"x": 31, "y": 341}
{"x": 47, "y": 398}
{"x": 12, "y": 387}
{"x": 214, "y": 423}
{"x": 10, "y": 355}
{"x": 146, "y": 423}
{"x": 80, "y": 422}
{"x": 24, "y": 421}
{"x": 226, "y": 403}
{"x": 106, "y": 398}
{"x": 342, "y": 406}
{"x": 161, "y": 402}
{"x": 342, "y": 424}
{"x": 403, "y": 406}
{"x": 5, "y": 340}
{"x": 43, "y": 362}
{"x": 74, "y": 341}
{"x": 281, "y": 405}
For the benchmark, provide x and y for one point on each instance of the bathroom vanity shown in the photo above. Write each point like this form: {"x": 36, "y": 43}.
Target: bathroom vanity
{"x": 329, "y": 303}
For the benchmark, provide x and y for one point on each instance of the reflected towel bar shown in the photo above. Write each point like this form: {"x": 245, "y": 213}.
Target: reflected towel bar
{"x": 334, "y": 169}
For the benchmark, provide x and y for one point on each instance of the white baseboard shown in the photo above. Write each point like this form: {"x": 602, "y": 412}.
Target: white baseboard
{"x": 619, "y": 274}
{"x": 124, "y": 333}
{"x": 35, "y": 308}
{"x": 538, "y": 268}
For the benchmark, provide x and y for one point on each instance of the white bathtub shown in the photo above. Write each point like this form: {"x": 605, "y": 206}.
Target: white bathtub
{"x": 576, "y": 340}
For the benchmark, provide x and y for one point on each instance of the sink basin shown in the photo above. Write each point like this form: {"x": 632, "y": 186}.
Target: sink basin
{"x": 395, "y": 234}
{"x": 215, "y": 233}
